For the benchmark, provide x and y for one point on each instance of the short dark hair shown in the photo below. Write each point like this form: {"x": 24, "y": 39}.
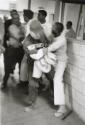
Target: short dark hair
{"x": 58, "y": 29}
{"x": 13, "y": 10}
{"x": 28, "y": 13}
{"x": 69, "y": 24}
{"x": 59, "y": 26}
{"x": 43, "y": 12}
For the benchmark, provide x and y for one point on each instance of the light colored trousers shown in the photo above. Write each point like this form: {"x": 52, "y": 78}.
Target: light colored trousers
{"x": 59, "y": 95}
{"x": 24, "y": 69}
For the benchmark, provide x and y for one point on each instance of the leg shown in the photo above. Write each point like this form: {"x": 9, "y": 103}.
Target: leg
{"x": 33, "y": 85}
{"x": 23, "y": 73}
{"x": 59, "y": 95}
{"x": 9, "y": 62}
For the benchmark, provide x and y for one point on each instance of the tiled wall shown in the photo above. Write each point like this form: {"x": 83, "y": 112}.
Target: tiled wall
{"x": 75, "y": 77}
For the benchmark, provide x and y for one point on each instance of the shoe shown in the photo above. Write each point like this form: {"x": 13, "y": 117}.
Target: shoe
{"x": 30, "y": 107}
{"x": 19, "y": 85}
{"x": 3, "y": 87}
{"x": 45, "y": 88}
{"x": 60, "y": 113}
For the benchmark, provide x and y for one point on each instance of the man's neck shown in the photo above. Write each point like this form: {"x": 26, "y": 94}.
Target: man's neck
{"x": 42, "y": 22}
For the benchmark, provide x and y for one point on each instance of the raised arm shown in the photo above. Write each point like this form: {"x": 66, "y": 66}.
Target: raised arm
{"x": 57, "y": 44}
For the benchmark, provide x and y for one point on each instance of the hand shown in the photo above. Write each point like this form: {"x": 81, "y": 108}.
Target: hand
{"x": 45, "y": 51}
{"x": 34, "y": 51}
{"x": 2, "y": 49}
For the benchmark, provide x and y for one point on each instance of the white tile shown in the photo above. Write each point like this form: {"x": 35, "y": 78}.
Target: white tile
{"x": 82, "y": 50}
{"x": 82, "y": 114}
{"x": 76, "y": 107}
{"x": 77, "y": 49}
{"x": 76, "y": 60}
{"x": 77, "y": 72}
{"x": 83, "y": 89}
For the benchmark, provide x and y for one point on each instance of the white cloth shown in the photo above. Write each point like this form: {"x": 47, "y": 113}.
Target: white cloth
{"x": 42, "y": 62}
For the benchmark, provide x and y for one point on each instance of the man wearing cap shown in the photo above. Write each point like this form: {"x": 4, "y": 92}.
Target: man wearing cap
{"x": 37, "y": 40}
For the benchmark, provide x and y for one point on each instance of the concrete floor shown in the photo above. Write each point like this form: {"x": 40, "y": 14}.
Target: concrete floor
{"x": 13, "y": 110}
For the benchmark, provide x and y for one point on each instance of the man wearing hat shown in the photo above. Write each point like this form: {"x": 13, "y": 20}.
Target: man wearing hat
{"x": 37, "y": 40}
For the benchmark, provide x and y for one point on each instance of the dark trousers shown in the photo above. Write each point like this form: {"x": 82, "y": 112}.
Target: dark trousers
{"x": 33, "y": 83}
{"x": 11, "y": 57}
{"x": 50, "y": 77}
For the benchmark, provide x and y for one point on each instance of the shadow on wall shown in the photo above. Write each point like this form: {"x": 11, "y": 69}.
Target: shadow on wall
{"x": 68, "y": 78}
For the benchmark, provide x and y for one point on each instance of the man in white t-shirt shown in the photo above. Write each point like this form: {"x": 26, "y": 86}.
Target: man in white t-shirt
{"x": 42, "y": 14}
{"x": 28, "y": 16}
{"x": 69, "y": 32}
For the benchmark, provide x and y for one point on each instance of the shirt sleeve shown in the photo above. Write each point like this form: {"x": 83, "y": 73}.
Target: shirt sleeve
{"x": 57, "y": 44}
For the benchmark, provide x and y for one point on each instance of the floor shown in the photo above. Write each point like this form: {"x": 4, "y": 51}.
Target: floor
{"x": 13, "y": 103}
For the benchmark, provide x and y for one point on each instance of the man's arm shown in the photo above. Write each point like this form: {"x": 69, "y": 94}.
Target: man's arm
{"x": 57, "y": 44}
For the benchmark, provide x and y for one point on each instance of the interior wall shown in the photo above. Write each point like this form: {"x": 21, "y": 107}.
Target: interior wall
{"x": 4, "y": 4}
{"x": 57, "y": 10}
{"x": 48, "y": 5}
{"x": 71, "y": 13}
{"x": 20, "y": 4}
{"x": 74, "y": 77}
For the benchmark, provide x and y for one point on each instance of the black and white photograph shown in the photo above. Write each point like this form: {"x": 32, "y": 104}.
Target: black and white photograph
{"x": 42, "y": 62}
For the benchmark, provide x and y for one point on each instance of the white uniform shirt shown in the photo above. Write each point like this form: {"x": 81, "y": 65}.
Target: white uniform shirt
{"x": 47, "y": 29}
{"x": 59, "y": 46}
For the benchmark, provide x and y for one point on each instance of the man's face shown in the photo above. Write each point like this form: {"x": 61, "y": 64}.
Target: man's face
{"x": 16, "y": 19}
{"x": 54, "y": 30}
{"x": 41, "y": 18}
{"x": 26, "y": 19}
{"x": 13, "y": 13}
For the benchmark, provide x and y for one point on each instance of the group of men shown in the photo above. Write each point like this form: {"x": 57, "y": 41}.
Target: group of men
{"x": 49, "y": 41}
